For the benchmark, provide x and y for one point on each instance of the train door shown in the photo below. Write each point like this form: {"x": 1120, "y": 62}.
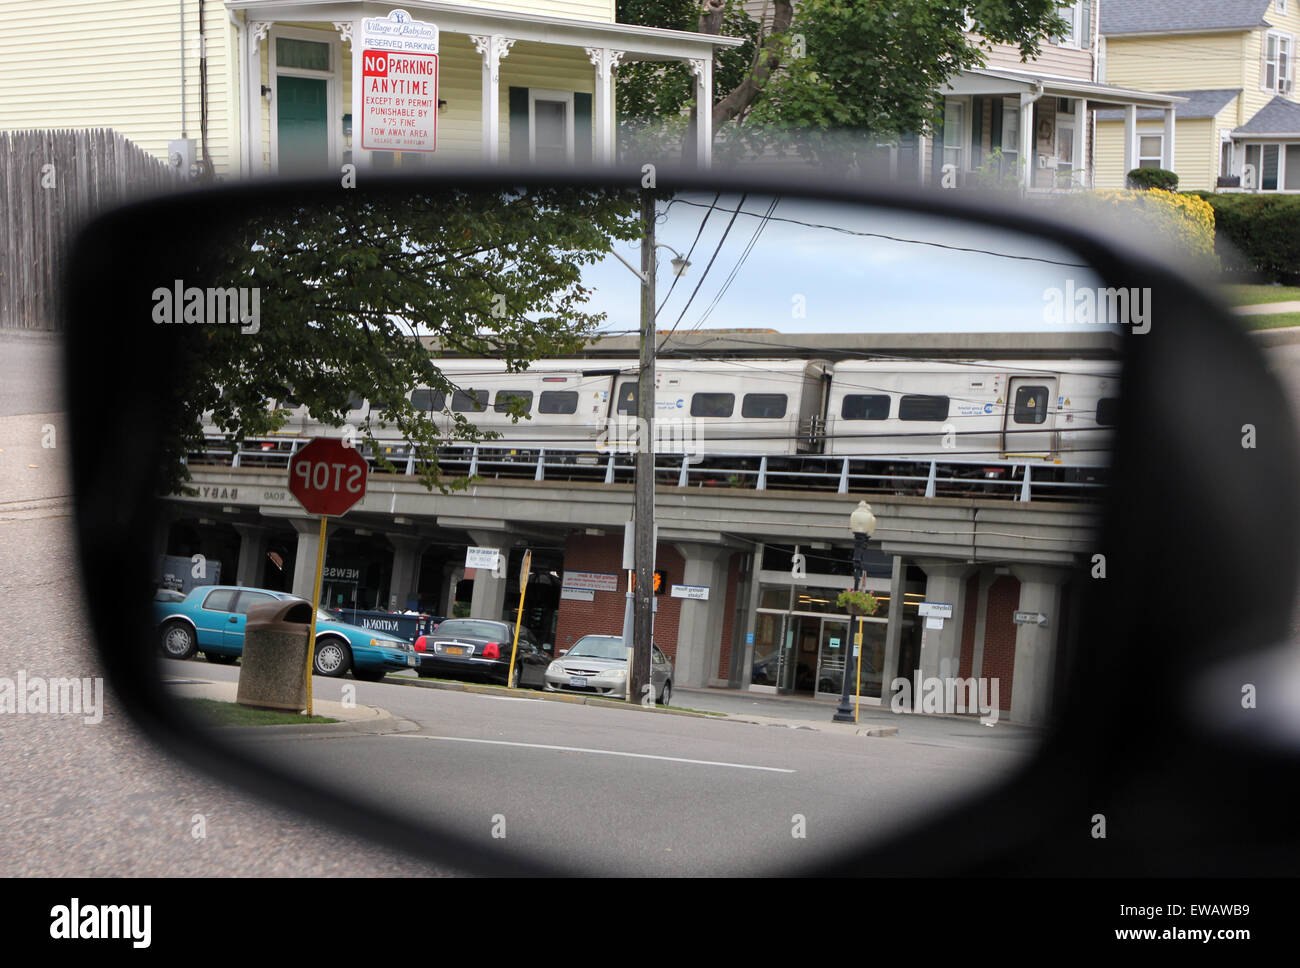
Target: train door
{"x": 1028, "y": 422}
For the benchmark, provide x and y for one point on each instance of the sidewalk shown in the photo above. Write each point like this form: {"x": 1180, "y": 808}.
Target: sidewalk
{"x": 1268, "y": 309}
{"x": 352, "y": 719}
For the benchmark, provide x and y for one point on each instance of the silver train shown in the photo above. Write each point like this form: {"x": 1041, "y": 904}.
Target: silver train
{"x": 1054, "y": 411}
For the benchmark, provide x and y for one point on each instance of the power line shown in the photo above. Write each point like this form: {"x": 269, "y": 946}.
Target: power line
{"x": 703, "y": 222}
{"x": 705, "y": 273}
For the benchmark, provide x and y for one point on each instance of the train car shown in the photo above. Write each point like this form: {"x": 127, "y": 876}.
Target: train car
{"x": 705, "y": 407}
{"x": 996, "y": 410}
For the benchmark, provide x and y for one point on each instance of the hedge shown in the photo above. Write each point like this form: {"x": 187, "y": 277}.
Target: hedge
{"x": 1153, "y": 178}
{"x": 1257, "y": 233}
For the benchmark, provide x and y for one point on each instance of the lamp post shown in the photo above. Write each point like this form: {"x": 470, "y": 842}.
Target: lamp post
{"x": 863, "y": 525}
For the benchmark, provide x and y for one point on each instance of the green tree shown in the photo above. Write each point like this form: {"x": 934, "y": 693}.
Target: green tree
{"x": 360, "y": 293}
{"x": 824, "y": 66}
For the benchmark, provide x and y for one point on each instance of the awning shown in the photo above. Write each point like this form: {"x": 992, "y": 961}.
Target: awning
{"x": 983, "y": 81}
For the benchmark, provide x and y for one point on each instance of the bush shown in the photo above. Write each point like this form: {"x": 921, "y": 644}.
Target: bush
{"x": 1141, "y": 178}
{"x": 1257, "y": 233}
{"x": 1184, "y": 222}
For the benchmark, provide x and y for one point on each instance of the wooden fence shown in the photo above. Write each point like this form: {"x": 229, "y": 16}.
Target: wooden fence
{"x": 52, "y": 182}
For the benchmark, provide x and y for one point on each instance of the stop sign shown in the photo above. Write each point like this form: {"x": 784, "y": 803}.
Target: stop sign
{"x": 326, "y": 477}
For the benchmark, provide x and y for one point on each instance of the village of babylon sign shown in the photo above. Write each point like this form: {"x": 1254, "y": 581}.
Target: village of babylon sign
{"x": 395, "y": 83}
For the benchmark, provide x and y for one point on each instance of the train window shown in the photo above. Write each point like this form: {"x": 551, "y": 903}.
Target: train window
{"x": 1108, "y": 411}
{"x": 627, "y": 398}
{"x": 1031, "y": 405}
{"x": 507, "y": 397}
{"x": 474, "y": 400}
{"x": 865, "y": 406}
{"x": 770, "y": 405}
{"x": 426, "y": 399}
{"x": 712, "y": 404}
{"x": 922, "y": 406}
{"x": 558, "y": 401}
{"x": 355, "y": 401}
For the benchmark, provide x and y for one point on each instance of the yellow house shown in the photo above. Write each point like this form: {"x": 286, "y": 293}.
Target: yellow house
{"x": 257, "y": 87}
{"x": 1234, "y": 62}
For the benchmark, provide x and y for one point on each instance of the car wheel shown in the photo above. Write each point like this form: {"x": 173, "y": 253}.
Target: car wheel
{"x": 178, "y": 641}
{"x": 369, "y": 675}
{"x": 667, "y": 694}
{"x": 333, "y": 658}
{"x": 220, "y": 659}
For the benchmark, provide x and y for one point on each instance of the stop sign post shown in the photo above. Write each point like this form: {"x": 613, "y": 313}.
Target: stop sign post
{"x": 327, "y": 477}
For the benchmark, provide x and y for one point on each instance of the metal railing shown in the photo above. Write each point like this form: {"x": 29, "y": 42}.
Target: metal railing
{"x": 927, "y": 477}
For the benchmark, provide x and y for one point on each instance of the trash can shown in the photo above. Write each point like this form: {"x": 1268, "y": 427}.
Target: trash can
{"x": 273, "y": 672}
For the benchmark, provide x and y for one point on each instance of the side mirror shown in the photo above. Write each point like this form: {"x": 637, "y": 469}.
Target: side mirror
{"x": 548, "y": 647}
{"x": 564, "y": 652}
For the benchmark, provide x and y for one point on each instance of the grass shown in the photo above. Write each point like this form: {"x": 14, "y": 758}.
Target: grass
{"x": 1253, "y": 295}
{"x": 216, "y": 713}
{"x": 1273, "y": 321}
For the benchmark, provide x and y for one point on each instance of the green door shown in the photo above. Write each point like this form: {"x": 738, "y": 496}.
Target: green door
{"x": 301, "y": 119}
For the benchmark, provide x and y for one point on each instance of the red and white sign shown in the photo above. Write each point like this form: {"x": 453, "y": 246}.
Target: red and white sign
{"x": 326, "y": 477}
{"x": 398, "y": 83}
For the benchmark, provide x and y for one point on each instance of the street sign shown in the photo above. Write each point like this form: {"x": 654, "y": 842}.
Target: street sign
{"x": 482, "y": 557}
{"x": 397, "y": 83}
{"x": 935, "y": 609}
{"x": 1030, "y": 618}
{"x": 698, "y": 592}
{"x": 326, "y": 477}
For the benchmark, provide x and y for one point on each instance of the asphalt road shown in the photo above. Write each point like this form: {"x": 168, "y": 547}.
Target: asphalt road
{"x": 616, "y": 791}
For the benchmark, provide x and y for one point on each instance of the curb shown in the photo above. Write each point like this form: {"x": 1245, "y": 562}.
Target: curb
{"x": 383, "y": 722}
{"x": 1282, "y": 336}
{"x": 551, "y": 697}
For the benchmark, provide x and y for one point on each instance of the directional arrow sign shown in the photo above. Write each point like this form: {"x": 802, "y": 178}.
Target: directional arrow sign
{"x": 327, "y": 477}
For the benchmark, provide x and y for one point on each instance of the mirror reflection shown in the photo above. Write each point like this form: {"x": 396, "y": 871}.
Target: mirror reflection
{"x": 876, "y": 441}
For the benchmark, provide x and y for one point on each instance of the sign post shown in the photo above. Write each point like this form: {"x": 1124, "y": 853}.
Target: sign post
{"x": 519, "y": 616}
{"x": 858, "y": 650}
{"x": 327, "y": 477}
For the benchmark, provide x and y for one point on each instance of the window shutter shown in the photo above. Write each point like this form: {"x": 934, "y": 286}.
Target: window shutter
{"x": 519, "y": 125}
{"x": 907, "y": 163}
{"x": 995, "y": 125}
{"x": 1085, "y": 25}
{"x": 977, "y": 127}
{"x": 582, "y": 135}
{"x": 1263, "y": 62}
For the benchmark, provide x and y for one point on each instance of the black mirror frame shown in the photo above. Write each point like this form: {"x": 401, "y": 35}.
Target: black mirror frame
{"x": 1106, "y": 754}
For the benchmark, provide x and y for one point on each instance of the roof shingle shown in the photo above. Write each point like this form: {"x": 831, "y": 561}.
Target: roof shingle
{"x": 1200, "y": 104}
{"x": 1159, "y": 16}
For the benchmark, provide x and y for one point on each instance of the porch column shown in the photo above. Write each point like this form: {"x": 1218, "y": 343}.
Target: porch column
{"x": 1079, "y": 157}
{"x": 1167, "y": 154}
{"x": 254, "y": 33}
{"x": 602, "y": 121}
{"x": 702, "y": 68}
{"x": 1027, "y": 136}
{"x": 1130, "y": 140}
{"x": 491, "y": 48}
{"x": 344, "y": 28}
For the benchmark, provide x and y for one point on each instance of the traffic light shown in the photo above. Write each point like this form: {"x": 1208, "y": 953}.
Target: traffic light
{"x": 660, "y": 582}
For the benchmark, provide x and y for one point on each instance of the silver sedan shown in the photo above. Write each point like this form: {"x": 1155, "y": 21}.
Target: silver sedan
{"x": 598, "y": 664}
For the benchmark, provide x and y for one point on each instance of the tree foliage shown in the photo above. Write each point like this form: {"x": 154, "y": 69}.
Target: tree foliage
{"x": 356, "y": 290}
{"x": 823, "y": 66}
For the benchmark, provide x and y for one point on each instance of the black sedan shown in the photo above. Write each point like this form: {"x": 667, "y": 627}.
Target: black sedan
{"x": 477, "y": 649}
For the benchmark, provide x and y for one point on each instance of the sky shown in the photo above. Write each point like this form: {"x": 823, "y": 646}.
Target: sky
{"x": 909, "y": 275}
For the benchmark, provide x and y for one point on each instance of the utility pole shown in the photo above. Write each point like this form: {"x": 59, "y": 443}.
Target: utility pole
{"x": 644, "y": 552}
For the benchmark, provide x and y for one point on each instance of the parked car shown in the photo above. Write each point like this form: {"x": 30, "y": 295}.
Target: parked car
{"x": 598, "y": 664}
{"x": 478, "y": 649}
{"x": 210, "y": 619}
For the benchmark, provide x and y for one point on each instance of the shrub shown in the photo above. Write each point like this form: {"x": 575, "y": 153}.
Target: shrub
{"x": 1258, "y": 233}
{"x": 1183, "y": 222}
{"x": 1141, "y": 178}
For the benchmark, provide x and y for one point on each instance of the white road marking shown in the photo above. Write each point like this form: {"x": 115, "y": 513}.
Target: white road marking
{"x": 582, "y": 749}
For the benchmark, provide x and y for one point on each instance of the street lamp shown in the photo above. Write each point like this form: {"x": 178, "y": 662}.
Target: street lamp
{"x": 863, "y": 525}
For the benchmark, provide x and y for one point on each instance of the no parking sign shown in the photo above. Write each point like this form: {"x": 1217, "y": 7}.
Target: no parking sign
{"x": 395, "y": 81}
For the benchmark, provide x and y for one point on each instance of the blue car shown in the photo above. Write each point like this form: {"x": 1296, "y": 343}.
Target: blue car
{"x": 210, "y": 619}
